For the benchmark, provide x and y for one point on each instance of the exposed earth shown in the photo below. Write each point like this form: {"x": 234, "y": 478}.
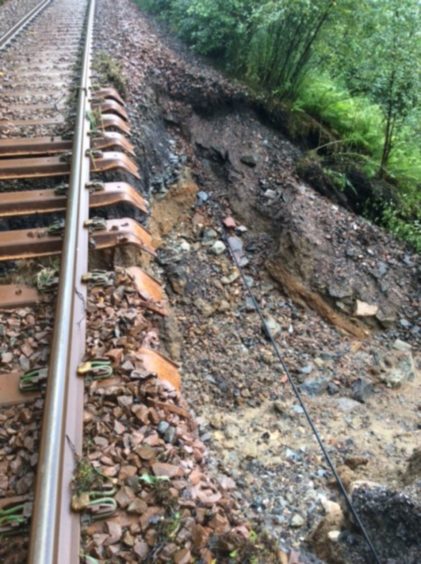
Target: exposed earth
{"x": 341, "y": 297}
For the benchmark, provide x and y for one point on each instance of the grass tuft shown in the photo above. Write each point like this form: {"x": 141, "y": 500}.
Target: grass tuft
{"x": 110, "y": 73}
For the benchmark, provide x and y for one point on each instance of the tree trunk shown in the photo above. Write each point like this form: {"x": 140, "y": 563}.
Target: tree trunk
{"x": 389, "y": 129}
{"x": 307, "y": 49}
{"x": 388, "y": 145}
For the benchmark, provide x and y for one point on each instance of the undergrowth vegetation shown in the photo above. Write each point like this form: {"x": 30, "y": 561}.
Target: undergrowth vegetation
{"x": 109, "y": 72}
{"x": 356, "y": 69}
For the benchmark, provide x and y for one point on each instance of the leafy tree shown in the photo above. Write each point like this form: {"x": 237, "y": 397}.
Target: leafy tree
{"x": 396, "y": 81}
{"x": 212, "y": 27}
{"x": 284, "y": 38}
{"x": 381, "y": 58}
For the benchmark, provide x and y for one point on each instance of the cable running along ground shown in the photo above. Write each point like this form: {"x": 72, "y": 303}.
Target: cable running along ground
{"x": 301, "y": 402}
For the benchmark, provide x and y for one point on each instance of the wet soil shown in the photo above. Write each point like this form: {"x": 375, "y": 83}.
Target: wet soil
{"x": 206, "y": 155}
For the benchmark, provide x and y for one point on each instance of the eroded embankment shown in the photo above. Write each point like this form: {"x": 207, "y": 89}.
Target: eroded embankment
{"x": 338, "y": 293}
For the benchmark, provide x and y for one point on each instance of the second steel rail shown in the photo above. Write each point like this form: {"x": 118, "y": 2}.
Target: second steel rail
{"x": 21, "y": 24}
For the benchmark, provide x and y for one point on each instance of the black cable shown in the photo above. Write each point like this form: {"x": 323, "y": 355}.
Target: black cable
{"x": 300, "y": 400}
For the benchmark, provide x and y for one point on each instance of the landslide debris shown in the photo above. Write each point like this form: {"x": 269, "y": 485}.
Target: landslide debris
{"x": 347, "y": 298}
{"x": 140, "y": 437}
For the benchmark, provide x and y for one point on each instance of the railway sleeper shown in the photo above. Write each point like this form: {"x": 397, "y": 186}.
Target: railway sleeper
{"x": 108, "y": 92}
{"x": 31, "y": 243}
{"x": 18, "y": 295}
{"x": 112, "y": 121}
{"x": 110, "y": 106}
{"x": 7, "y": 124}
{"x": 104, "y": 122}
{"x": 17, "y": 387}
{"x": 29, "y": 147}
{"x": 44, "y": 167}
{"x": 33, "y": 202}
{"x": 149, "y": 289}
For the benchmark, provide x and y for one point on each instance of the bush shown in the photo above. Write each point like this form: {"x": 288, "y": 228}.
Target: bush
{"x": 409, "y": 231}
{"x": 357, "y": 123}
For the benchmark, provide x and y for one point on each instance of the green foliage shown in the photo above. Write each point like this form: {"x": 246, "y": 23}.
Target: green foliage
{"x": 354, "y": 67}
{"x": 409, "y": 231}
{"x": 153, "y": 480}
{"x": 90, "y": 559}
{"x": 284, "y": 35}
{"x": 85, "y": 476}
{"x": 381, "y": 59}
{"x": 358, "y": 123}
{"x": 155, "y": 6}
{"x": 46, "y": 279}
{"x": 354, "y": 118}
{"x": 210, "y": 26}
{"x": 110, "y": 72}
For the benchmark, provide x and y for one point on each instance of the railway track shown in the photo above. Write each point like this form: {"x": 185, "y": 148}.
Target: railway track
{"x": 65, "y": 152}
{"x": 60, "y": 138}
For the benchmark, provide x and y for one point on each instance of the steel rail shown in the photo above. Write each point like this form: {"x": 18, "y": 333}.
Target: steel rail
{"x": 55, "y": 530}
{"x": 21, "y": 24}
